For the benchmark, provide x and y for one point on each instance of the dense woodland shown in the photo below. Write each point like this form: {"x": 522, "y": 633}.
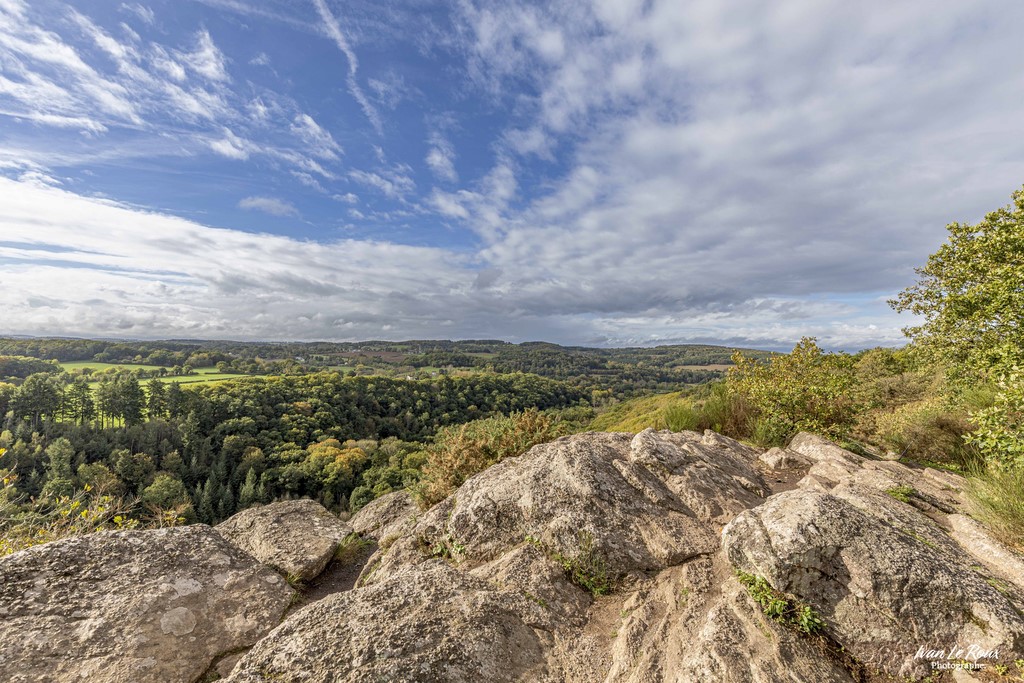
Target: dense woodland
{"x": 218, "y": 448}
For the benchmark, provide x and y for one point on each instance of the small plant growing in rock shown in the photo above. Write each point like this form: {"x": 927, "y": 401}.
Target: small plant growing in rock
{"x": 351, "y": 547}
{"x": 587, "y": 569}
{"x": 446, "y": 547}
{"x": 779, "y": 607}
{"x": 901, "y": 493}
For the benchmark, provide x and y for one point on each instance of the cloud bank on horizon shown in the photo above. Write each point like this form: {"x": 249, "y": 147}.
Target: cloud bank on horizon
{"x": 615, "y": 173}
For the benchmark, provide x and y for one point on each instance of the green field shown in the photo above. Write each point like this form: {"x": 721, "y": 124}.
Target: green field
{"x": 207, "y": 375}
{"x": 102, "y": 367}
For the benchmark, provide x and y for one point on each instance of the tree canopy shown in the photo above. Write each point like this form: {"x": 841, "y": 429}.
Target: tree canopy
{"x": 971, "y": 296}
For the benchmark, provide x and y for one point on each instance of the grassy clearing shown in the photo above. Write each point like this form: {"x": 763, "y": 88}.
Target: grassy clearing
{"x": 210, "y": 376}
{"x": 203, "y": 376}
{"x": 637, "y": 414}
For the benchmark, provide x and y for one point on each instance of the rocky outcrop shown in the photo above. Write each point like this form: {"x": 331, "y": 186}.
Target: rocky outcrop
{"x": 386, "y": 518}
{"x": 295, "y": 537}
{"x": 647, "y": 502}
{"x": 883, "y": 580}
{"x": 429, "y": 622}
{"x": 158, "y": 605}
{"x": 637, "y": 559}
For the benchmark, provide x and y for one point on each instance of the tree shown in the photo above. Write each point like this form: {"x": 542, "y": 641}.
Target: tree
{"x": 38, "y": 398}
{"x": 58, "y": 469}
{"x": 971, "y": 296}
{"x": 248, "y": 495}
{"x": 136, "y": 470}
{"x": 156, "y": 404}
{"x": 80, "y": 404}
{"x": 131, "y": 399}
{"x": 166, "y": 492}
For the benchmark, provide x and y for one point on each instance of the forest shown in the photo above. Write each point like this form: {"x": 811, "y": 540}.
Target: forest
{"x": 211, "y": 450}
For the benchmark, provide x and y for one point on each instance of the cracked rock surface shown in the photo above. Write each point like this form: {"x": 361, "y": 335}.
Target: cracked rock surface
{"x": 120, "y": 606}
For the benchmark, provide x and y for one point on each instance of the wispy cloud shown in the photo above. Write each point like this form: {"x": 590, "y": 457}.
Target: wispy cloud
{"x": 321, "y": 142}
{"x": 144, "y": 13}
{"x": 392, "y": 183}
{"x": 271, "y": 205}
{"x": 206, "y": 59}
{"x": 232, "y": 146}
{"x": 333, "y": 31}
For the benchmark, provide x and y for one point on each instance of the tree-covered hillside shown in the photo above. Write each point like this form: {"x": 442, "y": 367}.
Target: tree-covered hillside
{"x": 211, "y": 450}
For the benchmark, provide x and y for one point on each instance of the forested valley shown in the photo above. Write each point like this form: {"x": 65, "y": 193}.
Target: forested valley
{"x": 176, "y": 432}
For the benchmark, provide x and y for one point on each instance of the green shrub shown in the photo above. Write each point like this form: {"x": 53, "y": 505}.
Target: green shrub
{"x": 360, "y": 497}
{"x": 806, "y": 390}
{"x": 680, "y": 417}
{"x": 901, "y": 493}
{"x": 766, "y": 433}
{"x": 25, "y": 523}
{"x": 999, "y": 435}
{"x": 926, "y": 430}
{"x": 725, "y": 411}
{"x": 461, "y": 451}
{"x": 587, "y": 568}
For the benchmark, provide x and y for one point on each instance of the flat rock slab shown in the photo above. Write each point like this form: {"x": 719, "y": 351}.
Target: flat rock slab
{"x": 296, "y": 537}
{"x": 154, "y": 606}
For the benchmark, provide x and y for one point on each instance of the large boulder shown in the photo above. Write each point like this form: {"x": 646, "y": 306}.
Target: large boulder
{"x": 885, "y": 577}
{"x": 296, "y": 537}
{"x": 641, "y": 503}
{"x": 425, "y": 623}
{"x": 143, "y": 606}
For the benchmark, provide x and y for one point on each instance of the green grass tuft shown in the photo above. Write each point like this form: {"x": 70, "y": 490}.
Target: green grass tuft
{"x": 779, "y": 607}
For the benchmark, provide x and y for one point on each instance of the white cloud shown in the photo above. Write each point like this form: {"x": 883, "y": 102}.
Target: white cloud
{"x": 392, "y": 183}
{"x": 271, "y": 205}
{"x": 441, "y": 158}
{"x": 147, "y": 275}
{"x": 144, "y": 13}
{"x": 309, "y": 181}
{"x": 448, "y": 205}
{"x": 168, "y": 66}
{"x": 119, "y": 52}
{"x": 320, "y": 141}
{"x": 206, "y": 59}
{"x": 232, "y": 146}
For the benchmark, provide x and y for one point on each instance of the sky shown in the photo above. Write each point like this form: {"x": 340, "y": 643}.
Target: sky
{"x": 612, "y": 173}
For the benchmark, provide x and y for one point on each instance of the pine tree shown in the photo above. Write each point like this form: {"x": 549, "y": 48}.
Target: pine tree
{"x": 248, "y": 495}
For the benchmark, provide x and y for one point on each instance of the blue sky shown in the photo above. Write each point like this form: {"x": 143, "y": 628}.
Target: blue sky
{"x": 606, "y": 173}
